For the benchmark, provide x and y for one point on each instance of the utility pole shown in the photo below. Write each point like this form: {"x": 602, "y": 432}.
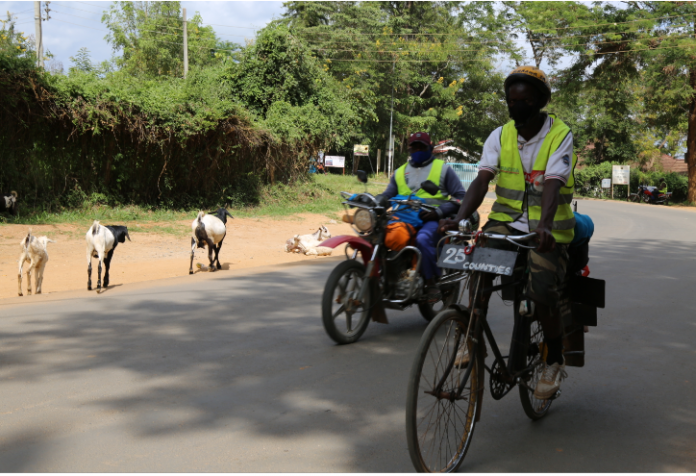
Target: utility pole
{"x": 185, "y": 46}
{"x": 390, "y": 147}
{"x": 39, "y": 43}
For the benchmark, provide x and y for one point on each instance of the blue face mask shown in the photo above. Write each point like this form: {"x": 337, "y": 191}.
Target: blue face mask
{"x": 419, "y": 157}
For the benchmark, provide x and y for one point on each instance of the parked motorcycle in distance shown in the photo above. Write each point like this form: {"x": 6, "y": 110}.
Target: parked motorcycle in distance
{"x": 357, "y": 291}
{"x": 651, "y": 194}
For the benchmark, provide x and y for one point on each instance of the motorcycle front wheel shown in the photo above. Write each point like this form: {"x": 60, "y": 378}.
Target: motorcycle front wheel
{"x": 344, "y": 315}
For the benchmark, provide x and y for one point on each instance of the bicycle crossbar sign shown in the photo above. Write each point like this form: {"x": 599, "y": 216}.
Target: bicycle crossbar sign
{"x": 487, "y": 260}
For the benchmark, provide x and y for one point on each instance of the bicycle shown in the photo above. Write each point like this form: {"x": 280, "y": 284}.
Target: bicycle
{"x": 445, "y": 392}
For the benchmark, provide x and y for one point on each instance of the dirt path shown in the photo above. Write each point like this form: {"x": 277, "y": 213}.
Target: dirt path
{"x": 250, "y": 243}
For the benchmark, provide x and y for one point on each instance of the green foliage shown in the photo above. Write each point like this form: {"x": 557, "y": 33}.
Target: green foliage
{"x": 149, "y": 36}
{"x": 589, "y": 181}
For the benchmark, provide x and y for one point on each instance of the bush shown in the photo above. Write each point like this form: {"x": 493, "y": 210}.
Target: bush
{"x": 588, "y": 179}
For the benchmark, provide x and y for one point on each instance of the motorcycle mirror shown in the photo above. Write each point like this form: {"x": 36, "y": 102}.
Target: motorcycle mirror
{"x": 362, "y": 176}
{"x": 430, "y": 187}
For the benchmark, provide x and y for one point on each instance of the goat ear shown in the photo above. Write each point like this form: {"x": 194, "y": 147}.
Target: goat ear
{"x": 127, "y": 236}
{"x": 228, "y": 214}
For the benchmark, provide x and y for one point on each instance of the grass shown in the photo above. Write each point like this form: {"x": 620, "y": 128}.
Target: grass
{"x": 320, "y": 194}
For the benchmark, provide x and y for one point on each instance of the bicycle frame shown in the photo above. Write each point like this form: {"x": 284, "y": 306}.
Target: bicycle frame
{"x": 511, "y": 373}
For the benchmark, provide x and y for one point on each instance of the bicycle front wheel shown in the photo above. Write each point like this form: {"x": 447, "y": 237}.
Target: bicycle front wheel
{"x": 536, "y": 354}
{"x": 443, "y": 394}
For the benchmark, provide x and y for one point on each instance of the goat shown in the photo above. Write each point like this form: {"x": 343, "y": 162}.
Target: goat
{"x": 309, "y": 244}
{"x": 209, "y": 230}
{"x": 34, "y": 251}
{"x": 101, "y": 242}
{"x": 8, "y": 202}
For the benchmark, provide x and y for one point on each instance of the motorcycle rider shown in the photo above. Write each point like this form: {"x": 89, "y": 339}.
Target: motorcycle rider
{"x": 406, "y": 180}
{"x": 534, "y": 160}
{"x": 661, "y": 190}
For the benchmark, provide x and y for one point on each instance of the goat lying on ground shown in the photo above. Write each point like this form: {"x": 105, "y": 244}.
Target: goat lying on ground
{"x": 101, "y": 243}
{"x": 8, "y": 203}
{"x": 209, "y": 230}
{"x": 310, "y": 244}
{"x": 33, "y": 251}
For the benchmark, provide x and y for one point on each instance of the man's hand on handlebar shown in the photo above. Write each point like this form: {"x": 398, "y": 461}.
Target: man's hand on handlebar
{"x": 447, "y": 224}
{"x": 545, "y": 239}
{"x": 428, "y": 215}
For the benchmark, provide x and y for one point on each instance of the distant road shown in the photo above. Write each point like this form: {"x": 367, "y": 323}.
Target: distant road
{"x": 234, "y": 373}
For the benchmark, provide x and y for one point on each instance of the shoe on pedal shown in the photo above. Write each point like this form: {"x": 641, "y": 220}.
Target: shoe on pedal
{"x": 550, "y": 381}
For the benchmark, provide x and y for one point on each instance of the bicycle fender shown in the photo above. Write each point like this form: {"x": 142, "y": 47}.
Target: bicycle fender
{"x": 355, "y": 242}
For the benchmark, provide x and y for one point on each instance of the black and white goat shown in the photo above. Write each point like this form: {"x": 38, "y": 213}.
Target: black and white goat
{"x": 8, "y": 203}
{"x": 101, "y": 243}
{"x": 33, "y": 251}
{"x": 209, "y": 230}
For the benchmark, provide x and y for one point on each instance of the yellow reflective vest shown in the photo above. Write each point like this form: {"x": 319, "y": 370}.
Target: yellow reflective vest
{"x": 434, "y": 176}
{"x": 513, "y": 192}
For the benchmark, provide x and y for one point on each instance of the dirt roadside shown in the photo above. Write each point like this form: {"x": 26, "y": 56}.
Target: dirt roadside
{"x": 250, "y": 243}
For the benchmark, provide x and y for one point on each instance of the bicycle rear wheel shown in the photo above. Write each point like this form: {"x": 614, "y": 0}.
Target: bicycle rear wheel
{"x": 536, "y": 353}
{"x": 440, "y": 418}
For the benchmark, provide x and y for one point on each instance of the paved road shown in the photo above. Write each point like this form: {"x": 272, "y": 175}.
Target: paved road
{"x": 234, "y": 373}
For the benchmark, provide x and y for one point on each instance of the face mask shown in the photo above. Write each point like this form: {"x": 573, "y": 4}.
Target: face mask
{"x": 419, "y": 157}
{"x": 521, "y": 113}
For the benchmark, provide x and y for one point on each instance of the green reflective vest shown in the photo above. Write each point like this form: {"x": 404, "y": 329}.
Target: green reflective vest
{"x": 434, "y": 176}
{"x": 514, "y": 194}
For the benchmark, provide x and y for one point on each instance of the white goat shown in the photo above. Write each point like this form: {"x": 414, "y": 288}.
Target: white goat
{"x": 101, "y": 243}
{"x": 310, "y": 244}
{"x": 33, "y": 251}
{"x": 209, "y": 230}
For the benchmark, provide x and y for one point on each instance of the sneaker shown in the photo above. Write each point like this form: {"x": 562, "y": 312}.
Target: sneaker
{"x": 550, "y": 381}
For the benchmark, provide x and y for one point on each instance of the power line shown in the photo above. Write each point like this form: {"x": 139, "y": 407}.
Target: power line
{"x": 367, "y": 60}
{"x": 531, "y": 31}
{"x": 486, "y": 42}
{"x": 541, "y": 48}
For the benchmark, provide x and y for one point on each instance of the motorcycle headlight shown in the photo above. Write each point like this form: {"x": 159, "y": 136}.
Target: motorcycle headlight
{"x": 363, "y": 220}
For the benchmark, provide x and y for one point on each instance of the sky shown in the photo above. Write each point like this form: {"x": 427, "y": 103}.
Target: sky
{"x": 74, "y": 25}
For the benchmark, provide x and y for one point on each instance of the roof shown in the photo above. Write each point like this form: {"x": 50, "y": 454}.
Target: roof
{"x": 670, "y": 164}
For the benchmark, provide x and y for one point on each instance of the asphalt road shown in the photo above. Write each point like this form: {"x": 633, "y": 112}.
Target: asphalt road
{"x": 234, "y": 373}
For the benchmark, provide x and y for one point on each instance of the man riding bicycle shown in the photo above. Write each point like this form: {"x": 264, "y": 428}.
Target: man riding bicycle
{"x": 407, "y": 180}
{"x": 533, "y": 157}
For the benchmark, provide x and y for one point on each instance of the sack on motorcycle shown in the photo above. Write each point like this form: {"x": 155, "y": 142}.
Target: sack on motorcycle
{"x": 407, "y": 214}
{"x": 399, "y": 235}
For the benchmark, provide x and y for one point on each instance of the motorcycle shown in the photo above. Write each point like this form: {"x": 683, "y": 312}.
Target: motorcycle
{"x": 385, "y": 279}
{"x": 650, "y": 195}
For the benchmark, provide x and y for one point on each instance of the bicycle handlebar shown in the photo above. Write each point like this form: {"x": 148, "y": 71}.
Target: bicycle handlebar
{"x": 497, "y": 236}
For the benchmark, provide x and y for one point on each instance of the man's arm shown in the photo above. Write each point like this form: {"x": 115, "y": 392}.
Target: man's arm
{"x": 392, "y": 190}
{"x": 472, "y": 200}
{"x": 549, "y": 205}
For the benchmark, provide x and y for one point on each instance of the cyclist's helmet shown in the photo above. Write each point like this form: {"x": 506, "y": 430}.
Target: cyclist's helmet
{"x": 533, "y": 76}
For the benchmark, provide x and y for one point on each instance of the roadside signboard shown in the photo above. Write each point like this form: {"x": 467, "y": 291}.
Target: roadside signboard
{"x": 336, "y": 161}
{"x": 606, "y": 183}
{"x": 363, "y": 150}
{"x": 620, "y": 174}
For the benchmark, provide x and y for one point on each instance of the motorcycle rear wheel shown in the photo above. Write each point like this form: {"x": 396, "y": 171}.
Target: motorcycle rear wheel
{"x": 341, "y": 301}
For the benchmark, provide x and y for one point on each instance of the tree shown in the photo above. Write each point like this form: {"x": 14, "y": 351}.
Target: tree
{"x": 149, "y": 36}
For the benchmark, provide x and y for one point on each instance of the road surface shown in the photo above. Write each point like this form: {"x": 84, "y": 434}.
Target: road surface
{"x": 234, "y": 373}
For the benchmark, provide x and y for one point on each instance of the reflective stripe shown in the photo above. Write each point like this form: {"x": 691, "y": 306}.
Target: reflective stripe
{"x": 560, "y": 225}
{"x": 511, "y": 213}
{"x": 509, "y": 193}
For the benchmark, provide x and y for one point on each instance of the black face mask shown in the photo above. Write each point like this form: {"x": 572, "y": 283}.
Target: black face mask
{"x": 521, "y": 113}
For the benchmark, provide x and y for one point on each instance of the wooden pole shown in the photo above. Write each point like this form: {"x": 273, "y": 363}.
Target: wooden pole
{"x": 185, "y": 45}
{"x": 379, "y": 153}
